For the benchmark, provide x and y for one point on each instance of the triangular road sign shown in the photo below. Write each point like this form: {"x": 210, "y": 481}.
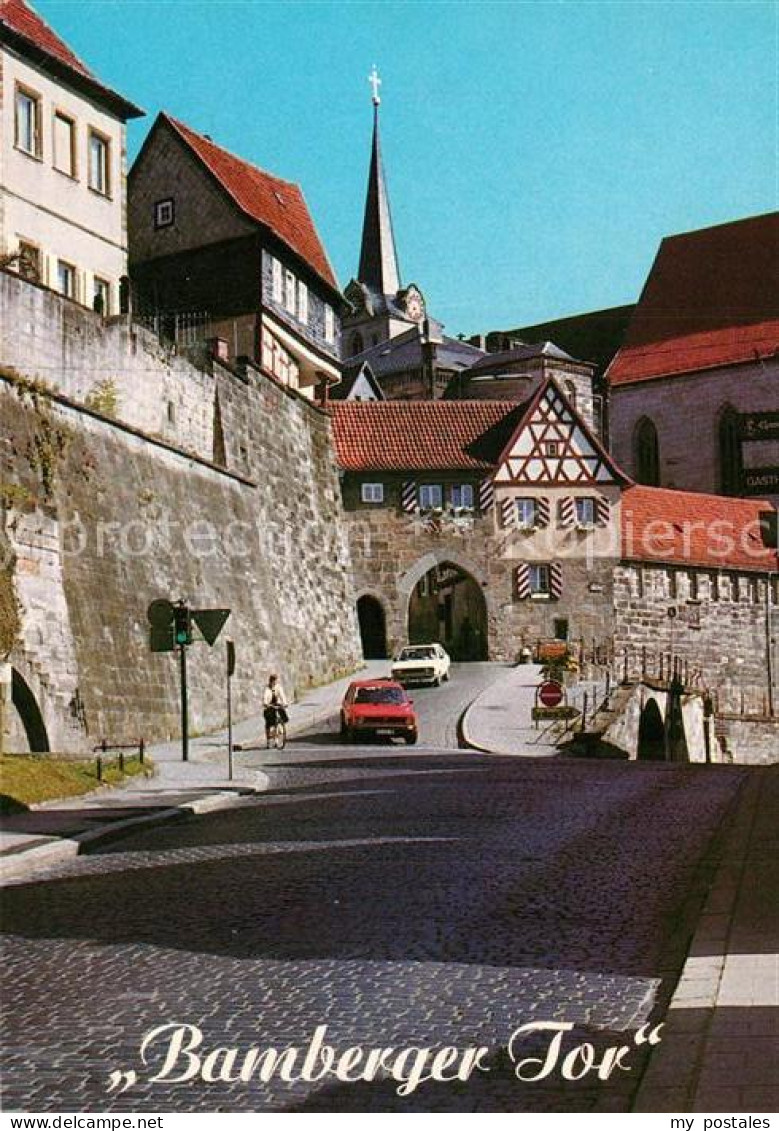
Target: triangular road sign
{"x": 210, "y": 622}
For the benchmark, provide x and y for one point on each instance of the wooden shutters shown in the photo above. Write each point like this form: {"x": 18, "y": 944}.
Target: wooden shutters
{"x": 408, "y": 496}
{"x": 486, "y": 495}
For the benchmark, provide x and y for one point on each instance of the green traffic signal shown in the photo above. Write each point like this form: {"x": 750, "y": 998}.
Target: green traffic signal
{"x": 182, "y": 620}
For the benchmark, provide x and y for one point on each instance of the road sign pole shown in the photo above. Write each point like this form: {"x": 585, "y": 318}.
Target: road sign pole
{"x": 184, "y": 706}
{"x": 229, "y": 717}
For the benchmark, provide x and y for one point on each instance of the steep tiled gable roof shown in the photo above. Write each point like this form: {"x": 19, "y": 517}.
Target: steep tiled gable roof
{"x": 35, "y": 35}
{"x": 694, "y": 529}
{"x": 422, "y": 435}
{"x": 27, "y": 23}
{"x": 277, "y": 204}
{"x": 711, "y": 299}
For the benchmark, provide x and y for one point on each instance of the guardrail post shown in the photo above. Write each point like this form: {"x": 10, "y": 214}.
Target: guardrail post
{"x": 141, "y": 750}
{"x": 121, "y": 761}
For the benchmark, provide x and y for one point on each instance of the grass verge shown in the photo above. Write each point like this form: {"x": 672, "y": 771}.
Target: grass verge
{"x": 28, "y": 779}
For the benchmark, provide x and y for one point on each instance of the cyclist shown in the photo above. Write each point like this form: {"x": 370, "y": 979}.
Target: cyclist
{"x": 274, "y": 703}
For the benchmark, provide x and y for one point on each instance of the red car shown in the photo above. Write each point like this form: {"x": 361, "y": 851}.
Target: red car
{"x": 380, "y": 707}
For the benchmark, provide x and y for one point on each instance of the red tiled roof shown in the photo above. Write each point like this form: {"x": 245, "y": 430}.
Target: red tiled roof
{"x": 27, "y": 23}
{"x": 278, "y": 205}
{"x": 711, "y": 299}
{"x": 708, "y": 350}
{"x": 662, "y": 525}
{"x": 422, "y": 435}
{"x": 23, "y": 26}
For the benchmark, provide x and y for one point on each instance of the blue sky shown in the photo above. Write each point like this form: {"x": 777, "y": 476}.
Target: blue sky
{"x": 536, "y": 152}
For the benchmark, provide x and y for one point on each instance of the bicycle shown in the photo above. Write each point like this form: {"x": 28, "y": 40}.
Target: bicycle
{"x": 276, "y": 732}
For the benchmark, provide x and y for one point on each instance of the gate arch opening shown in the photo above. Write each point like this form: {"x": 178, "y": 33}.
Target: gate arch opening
{"x": 447, "y": 605}
{"x": 651, "y": 734}
{"x": 373, "y": 628}
{"x": 30, "y": 714}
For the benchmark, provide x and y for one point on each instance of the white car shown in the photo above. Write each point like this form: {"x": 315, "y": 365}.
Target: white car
{"x": 421, "y": 663}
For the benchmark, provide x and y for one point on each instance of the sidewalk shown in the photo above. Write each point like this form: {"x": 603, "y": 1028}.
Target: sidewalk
{"x": 500, "y": 720}
{"x": 177, "y": 790}
{"x": 720, "y": 1046}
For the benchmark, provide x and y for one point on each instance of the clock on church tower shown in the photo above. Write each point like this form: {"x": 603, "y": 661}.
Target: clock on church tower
{"x": 413, "y": 304}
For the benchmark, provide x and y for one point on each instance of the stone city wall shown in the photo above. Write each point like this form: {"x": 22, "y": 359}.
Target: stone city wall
{"x": 98, "y": 519}
{"x": 720, "y": 626}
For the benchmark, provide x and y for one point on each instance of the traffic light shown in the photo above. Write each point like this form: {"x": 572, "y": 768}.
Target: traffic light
{"x": 182, "y": 624}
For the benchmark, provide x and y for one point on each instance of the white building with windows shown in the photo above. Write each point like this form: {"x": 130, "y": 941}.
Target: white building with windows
{"x": 62, "y": 165}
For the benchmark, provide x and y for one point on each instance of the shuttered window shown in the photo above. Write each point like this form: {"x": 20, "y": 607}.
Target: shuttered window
{"x": 65, "y": 144}
{"x": 303, "y": 303}
{"x": 277, "y": 279}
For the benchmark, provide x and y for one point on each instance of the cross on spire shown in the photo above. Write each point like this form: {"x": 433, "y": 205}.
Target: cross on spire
{"x": 375, "y": 81}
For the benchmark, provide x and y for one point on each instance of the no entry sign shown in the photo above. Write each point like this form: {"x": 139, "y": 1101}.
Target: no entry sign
{"x": 551, "y": 693}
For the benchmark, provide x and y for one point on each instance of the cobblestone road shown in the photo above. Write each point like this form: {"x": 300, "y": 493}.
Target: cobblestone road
{"x": 399, "y": 898}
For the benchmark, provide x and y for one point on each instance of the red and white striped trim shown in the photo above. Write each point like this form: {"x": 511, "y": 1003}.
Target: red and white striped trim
{"x": 486, "y": 495}
{"x": 602, "y": 511}
{"x": 408, "y": 496}
{"x": 556, "y": 580}
{"x": 507, "y": 511}
{"x": 522, "y": 581}
{"x": 543, "y": 511}
{"x": 567, "y": 511}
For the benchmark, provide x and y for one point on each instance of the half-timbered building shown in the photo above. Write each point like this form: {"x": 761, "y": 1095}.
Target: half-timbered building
{"x": 492, "y": 525}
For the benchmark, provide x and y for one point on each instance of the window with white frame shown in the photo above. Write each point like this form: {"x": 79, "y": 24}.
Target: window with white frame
{"x": 290, "y": 290}
{"x": 99, "y": 163}
{"x": 64, "y": 144}
{"x": 66, "y": 279}
{"x": 302, "y": 303}
{"x": 28, "y": 121}
{"x": 540, "y": 582}
{"x": 462, "y": 495}
{"x": 164, "y": 213}
{"x": 329, "y": 324}
{"x": 585, "y": 512}
{"x": 278, "y": 282}
{"x": 526, "y": 512}
{"x": 373, "y": 492}
{"x": 101, "y": 296}
{"x": 431, "y": 496}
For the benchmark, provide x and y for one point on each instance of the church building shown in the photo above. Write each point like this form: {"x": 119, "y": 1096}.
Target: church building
{"x": 388, "y": 324}
{"x": 694, "y": 388}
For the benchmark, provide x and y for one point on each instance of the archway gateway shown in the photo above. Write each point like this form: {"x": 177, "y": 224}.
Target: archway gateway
{"x": 447, "y": 605}
{"x": 373, "y": 629}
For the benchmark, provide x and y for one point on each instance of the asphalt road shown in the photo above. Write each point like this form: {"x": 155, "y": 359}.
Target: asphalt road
{"x": 439, "y": 710}
{"x": 396, "y": 896}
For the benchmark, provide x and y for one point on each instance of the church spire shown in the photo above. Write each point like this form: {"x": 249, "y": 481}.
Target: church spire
{"x": 378, "y": 269}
